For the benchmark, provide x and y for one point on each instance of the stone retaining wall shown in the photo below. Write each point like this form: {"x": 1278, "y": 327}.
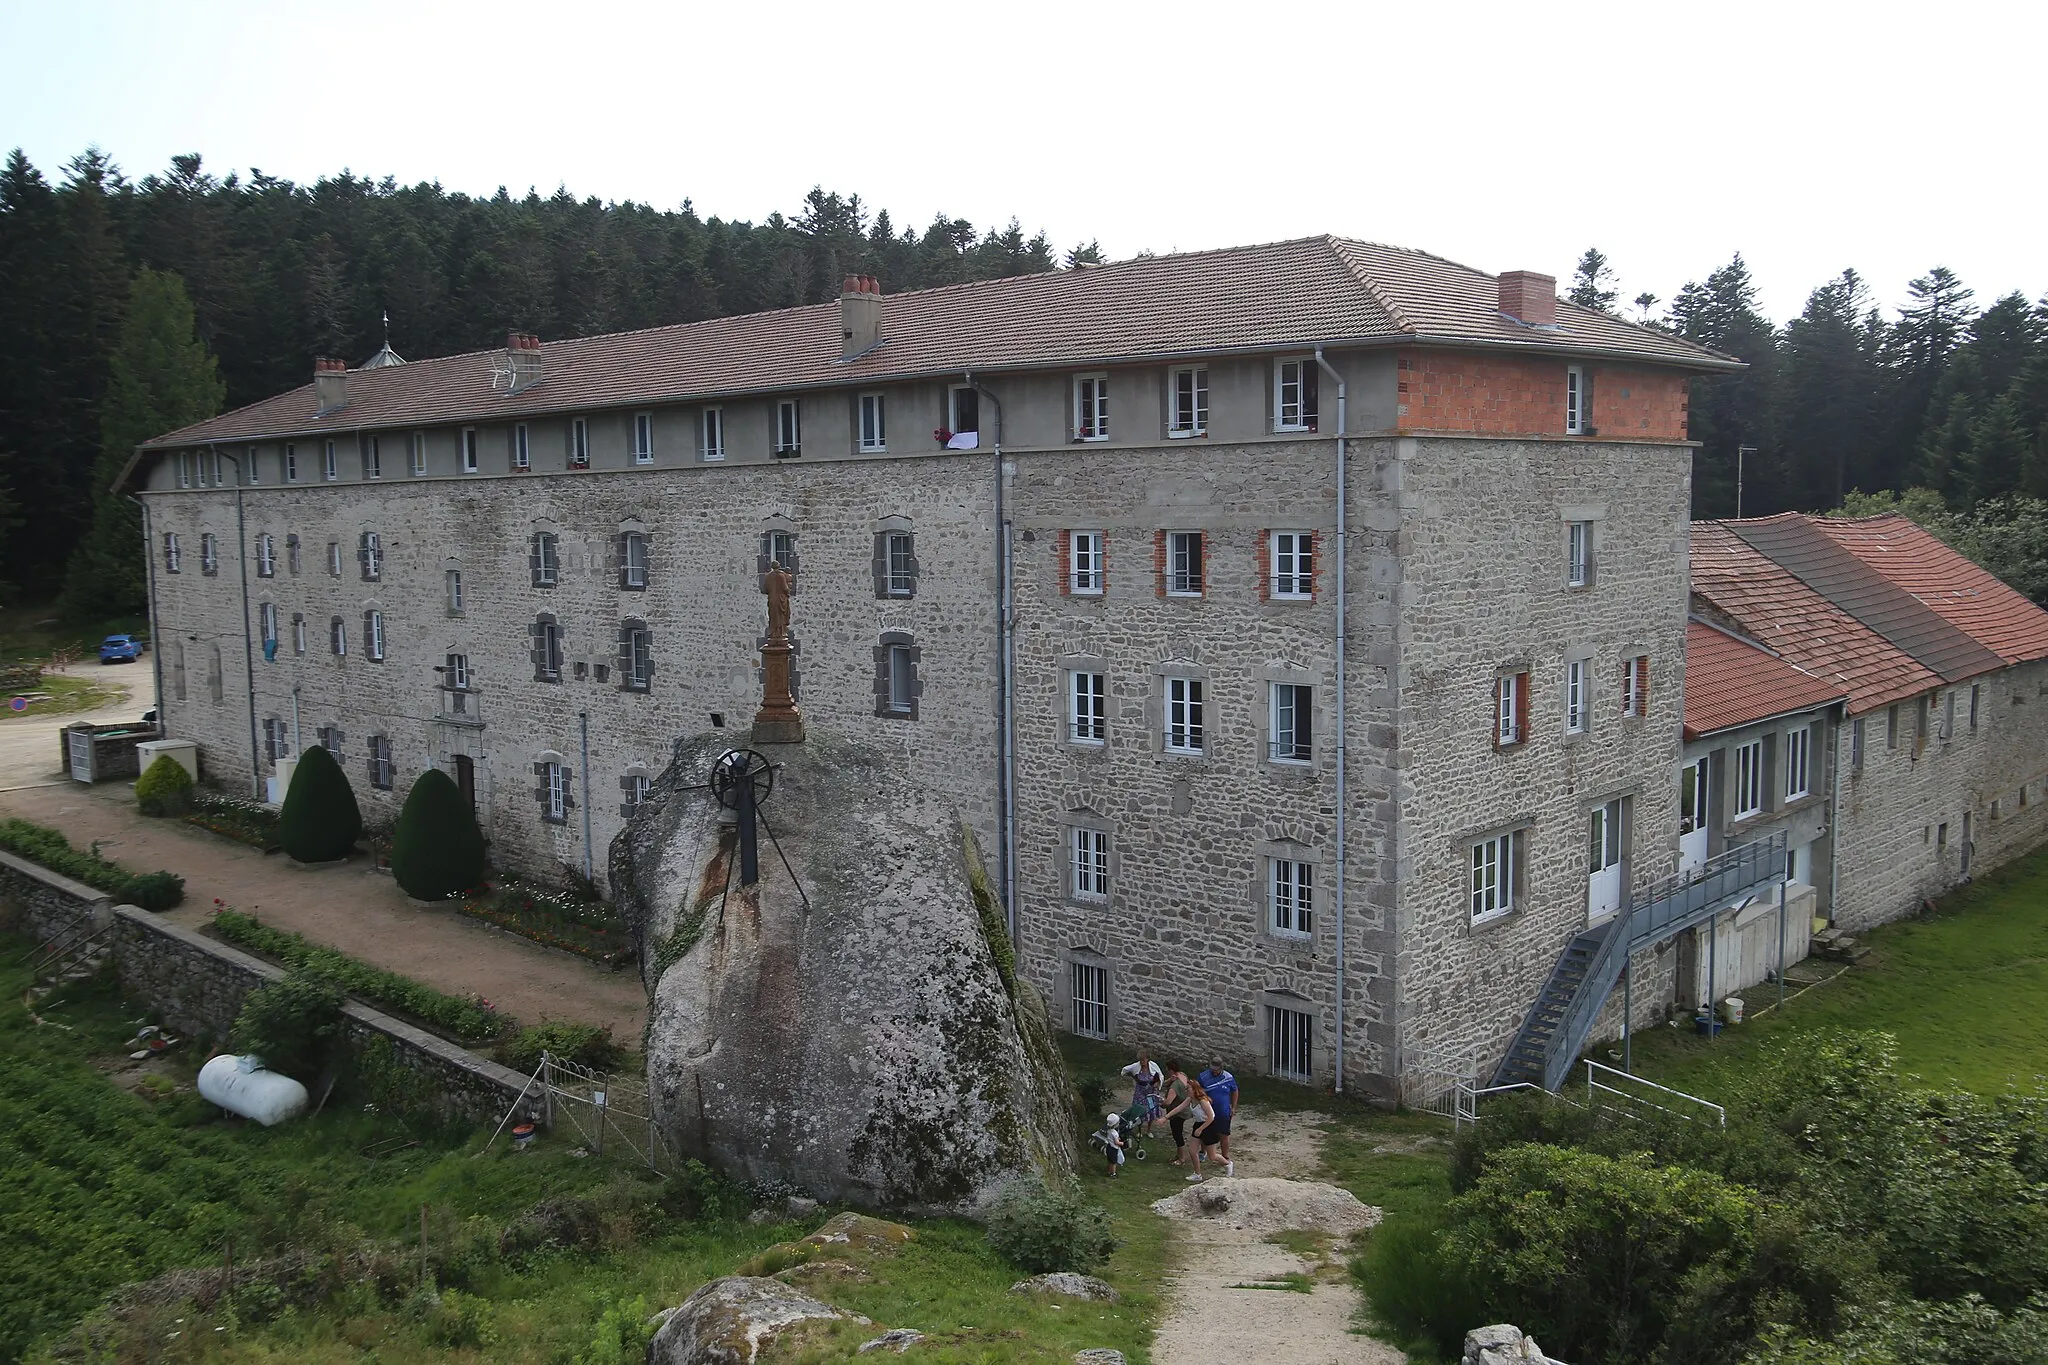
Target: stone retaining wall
{"x": 50, "y": 904}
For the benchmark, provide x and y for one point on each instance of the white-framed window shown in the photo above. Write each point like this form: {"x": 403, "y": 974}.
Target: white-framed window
{"x": 1510, "y": 709}
{"x": 899, "y": 549}
{"x": 1749, "y": 778}
{"x": 455, "y": 673}
{"x": 555, "y": 790}
{"x": 255, "y": 477}
{"x": 636, "y": 790}
{"x": 1295, "y": 384}
{"x": 418, "y": 451}
{"x": 1856, "y": 746}
{"x": 174, "y": 559}
{"x": 1290, "y": 1043}
{"x": 547, "y": 663}
{"x": 1089, "y": 856}
{"x": 298, "y": 633}
{"x": 1187, "y": 401}
{"x": 469, "y": 452}
{"x": 1085, "y": 567}
{"x": 522, "y": 447}
{"x": 220, "y": 477}
{"x": 1290, "y": 896}
{"x": 267, "y": 615}
{"x": 789, "y": 428}
{"x": 1577, "y": 706}
{"x": 1183, "y": 563}
{"x": 373, "y": 634}
{"x": 545, "y": 559}
{"x": 453, "y": 581}
{"x": 182, "y": 462}
{"x": 1087, "y": 708}
{"x": 963, "y": 410}
{"x": 1578, "y": 560}
{"x": 370, "y": 556}
{"x": 1798, "y": 762}
{"x": 1635, "y": 686}
{"x": 1496, "y": 880}
{"x": 643, "y": 438}
{"x": 1091, "y": 407}
{"x": 277, "y": 739}
{"x": 1185, "y": 732}
{"x": 330, "y": 470}
{"x": 334, "y": 559}
{"x": 874, "y": 426}
{"x": 902, "y": 680}
{"x": 633, "y": 569}
{"x": 1293, "y": 558}
{"x": 1089, "y": 985}
{"x": 209, "y": 553}
{"x": 266, "y": 555}
{"x": 711, "y": 434}
{"x": 291, "y": 463}
{"x": 579, "y": 443}
{"x": 337, "y": 637}
{"x": 1576, "y": 407}
{"x": 329, "y": 737}
{"x": 782, "y": 549}
{"x": 639, "y": 659}
{"x": 380, "y": 762}
{"x": 1292, "y": 716}
{"x": 373, "y": 458}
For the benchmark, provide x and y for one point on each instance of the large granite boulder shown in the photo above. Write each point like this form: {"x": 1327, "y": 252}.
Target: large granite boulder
{"x": 866, "y": 1040}
{"x": 733, "y": 1320}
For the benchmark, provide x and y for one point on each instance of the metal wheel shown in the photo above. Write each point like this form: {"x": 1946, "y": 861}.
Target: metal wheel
{"x": 741, "y": 765}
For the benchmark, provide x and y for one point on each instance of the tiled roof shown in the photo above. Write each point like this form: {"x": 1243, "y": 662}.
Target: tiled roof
{"x": 1730, "y": 681}
{"x": 1316, "y": 289}
{"x": 1966, "y": 595}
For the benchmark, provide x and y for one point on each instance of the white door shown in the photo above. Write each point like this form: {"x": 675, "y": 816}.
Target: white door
{"x": 1692, "y": 818}
{"x": 80, "y": 742}
{"x": 1603, "y": 872}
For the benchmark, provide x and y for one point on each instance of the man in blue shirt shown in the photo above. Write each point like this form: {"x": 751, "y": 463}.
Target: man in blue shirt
{"x": 1222, "y": 1089}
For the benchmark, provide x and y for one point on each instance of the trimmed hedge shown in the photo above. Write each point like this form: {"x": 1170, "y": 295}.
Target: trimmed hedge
{"x": 467, "y": 1021}
{"x": 320, "y": 820}
{"x": 437, "y": 850}
{"x": 155, "y": 891}
{"x": 165, "y": 789}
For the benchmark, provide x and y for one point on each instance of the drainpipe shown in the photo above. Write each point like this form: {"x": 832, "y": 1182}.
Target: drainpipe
{"x": 297, "y": 748}
{"x": 584, "y": 716}
{"x": 248, "y": 648}
{"x": 156, "y": 652}
{"x": 1006, "y": 665}
{"x": 1343, "y": 547}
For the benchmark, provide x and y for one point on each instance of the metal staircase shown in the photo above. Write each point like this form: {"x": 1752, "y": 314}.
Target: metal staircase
{"x": 1566, "y": 1008}
{"x": 71, "y": 956}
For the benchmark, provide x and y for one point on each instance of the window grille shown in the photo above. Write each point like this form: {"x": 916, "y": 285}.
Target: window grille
{"x": 1290, "y": 1037}
{"x": 1090, "y": 986}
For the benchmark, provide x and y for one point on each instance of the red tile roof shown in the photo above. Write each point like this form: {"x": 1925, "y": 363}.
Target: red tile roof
{"x": 1730, "y": 681}
{"x": 1317, "y": 289}
{"x": 1961, "y": 592}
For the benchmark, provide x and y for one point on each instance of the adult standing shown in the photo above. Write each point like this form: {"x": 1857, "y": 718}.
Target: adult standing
{"x": 1204, "y": 1114}
{"x": 1221, "y": 1088}
{"x": 1174, "y": 1099}
{"x": 1146, "y": 1079}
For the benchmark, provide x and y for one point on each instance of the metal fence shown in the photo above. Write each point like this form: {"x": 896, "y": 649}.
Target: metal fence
{"x": 1607, "y": 1088}
{"x": 604, "y": 1112}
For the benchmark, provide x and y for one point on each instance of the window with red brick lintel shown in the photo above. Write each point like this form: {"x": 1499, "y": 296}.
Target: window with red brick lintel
{"x": 1083, "y": 562}
{"x": 1635, "y": 686}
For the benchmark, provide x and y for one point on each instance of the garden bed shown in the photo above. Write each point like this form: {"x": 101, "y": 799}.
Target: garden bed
{"x": 246, "y": 822}
{"x": 48, "y": 847}
{"x": 555, "y": 919}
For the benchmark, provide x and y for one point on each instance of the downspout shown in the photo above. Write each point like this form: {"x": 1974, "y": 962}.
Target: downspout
{"x": 1006, "y": 734}
{"x": 156, "y": 652}
{"x": 248, "y": 649}
{"x": 584, "y": 717}
{"x": 1343, "y": 555}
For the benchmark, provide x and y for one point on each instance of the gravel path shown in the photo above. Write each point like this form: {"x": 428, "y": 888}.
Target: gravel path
{"x": 29, "y": 753}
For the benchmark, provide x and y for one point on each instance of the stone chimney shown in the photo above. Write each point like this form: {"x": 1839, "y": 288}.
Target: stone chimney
{"x": 522, "y": 360}
{"x": 860, "y": 315}
{"x": 330, "y": 383}
{"x": 1529, "y": 298}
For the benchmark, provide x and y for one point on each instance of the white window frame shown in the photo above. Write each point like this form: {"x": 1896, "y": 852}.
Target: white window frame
{"x": 1085, "y": 569}
{"x": 334, "y": 559}
{"x": 1578, "y": 554}
{"x": 711, "y": 434}
{"x": 266, "y": 555}
{"x": 579, "y": 443}
{"x": 550, "y": 669}
{"x": 417, "y": 449}
{"x": 1088, "y": 987}
{"x": 643, "y": 438}
{"x": 1187, "y": 401}
{"x": 640, "y": 659}
{"x": 1290, "y": 394}
{"x": 636, "y": 559}
{"x": 1186, "y": 730}
{"x": 953, "y": 409}
{"x": 1493, "y": 871}
{"x": 298, "y": 633}
{"x": 209, "y": 552}
{"x": 372, "y": 548}
{"x": 522, "y": 446}
{"x": 789, "y": 427}
{"x": 373, "y": 458}
{"x": 291, "y": 462}
{"x": 455, "y": 673}
{"x": 452, "y": 583}
{"x": 1634, "y": 672}
{"x": 1091, "y": 406}
{"x": 252, "y": 475}
{"x": 1507, "y": 709}
{"x": 547, "y": 549}
{"x": 182, "y": 462}
{"x": 1798, "y": 762}
{"x": 330, "y": 468}
{"x": 1291, "y": 557}
{"x": 782, "y": 549}
{"x": 1186, "y": 573}
{"x": 1286, "y": 721}
{"x": 469, "y": 450}
{"x": 1578, "y": 701}
{"x": 381, "y": 766}
{"x": 899, "y": 572}
{"x": 1575, "y": 400}
{"x": 337, "y": 636}
{"x": 1290, "y": 897}
{"x": 174, "y": 557}
{"x": 267, "y": 622}
{"x": 557, "y": 781}
{"x": 636, "y": 790}
{"x": 1290, "y": 1043}
{"x": 373, "y": 647}
{"x": 1088, "y": 863}
{"x": 873, "y": 417}
{"x": 1087, "y": 707}
{"x": 1749, "y": 779}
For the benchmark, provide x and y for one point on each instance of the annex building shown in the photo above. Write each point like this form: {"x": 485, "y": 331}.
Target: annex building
{"x": 1287, "y": 623}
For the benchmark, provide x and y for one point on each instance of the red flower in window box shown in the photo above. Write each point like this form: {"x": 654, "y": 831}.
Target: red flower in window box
{"x": 941, "y": 435}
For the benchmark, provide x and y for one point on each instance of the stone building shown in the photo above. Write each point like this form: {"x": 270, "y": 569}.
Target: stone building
{"x": 1288, "y": 621}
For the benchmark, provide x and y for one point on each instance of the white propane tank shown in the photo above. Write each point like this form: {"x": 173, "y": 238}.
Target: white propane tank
{"x": 240, "y": 1085}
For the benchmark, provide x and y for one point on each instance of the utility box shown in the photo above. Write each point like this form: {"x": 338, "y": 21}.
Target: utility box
{"x": 278, "y": 783}
{"x": 99, "y": 753}
{"x": 183, "y": 750}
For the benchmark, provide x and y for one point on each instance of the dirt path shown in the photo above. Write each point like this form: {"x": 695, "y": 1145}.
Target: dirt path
{"x": 1214, "y": 1315}
{"x": 358, "y": 910}
{"x": 29, "y": 755}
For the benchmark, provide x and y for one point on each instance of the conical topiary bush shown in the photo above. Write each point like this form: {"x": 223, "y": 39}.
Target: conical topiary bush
{"x": 320, "y": 821}
{"x": 437, "y": 849}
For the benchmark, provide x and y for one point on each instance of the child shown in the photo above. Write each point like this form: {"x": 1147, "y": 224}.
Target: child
{"x": 1113, "y": 1143}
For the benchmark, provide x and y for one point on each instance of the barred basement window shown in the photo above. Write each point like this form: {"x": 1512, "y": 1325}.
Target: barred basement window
{"x": 1289, "y": 1035}
{"x": 373, "y": 635}
{"x": 209, "y": 554}
{"x": 380, "y": 762}
{"x": 633, "y": 561}
{"x": 544, "y": 559}
{"x": 1184, "y": 716}
{"x": 266, "y": 556}
{"x": 1291, "y": 896}
{"x": 1090, "y": 989}
{"x": 370, "y": 556}
{"x": 1087, "y": 711}
{"x": 173, "y": 559}
{"x": 1294, "y": 566}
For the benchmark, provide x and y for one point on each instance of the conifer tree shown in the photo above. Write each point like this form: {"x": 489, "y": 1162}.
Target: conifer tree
{"x": 437, "y": 849}
{"x": 320, "y": 820}
{"x": 1593, "y": 282}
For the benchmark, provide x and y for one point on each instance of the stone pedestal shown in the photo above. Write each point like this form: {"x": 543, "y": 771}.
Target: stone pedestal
{"x": 778, "y": 721}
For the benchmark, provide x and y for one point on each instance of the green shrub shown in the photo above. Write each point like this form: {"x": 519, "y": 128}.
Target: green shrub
{"x": 46, "y": 846}
{"x": 320, "y": 820}
{"x": 290, "y": 1024}
{"x": 1040, "y": 1230}
{"x": 165, "y": 789}
{"x": 621, "y": 1334}
{"x": 1414, "y": 1290}
{"x": 154, "y": 891}
{"x": 584, "y": 1044}
{"x": 437, "y": 850}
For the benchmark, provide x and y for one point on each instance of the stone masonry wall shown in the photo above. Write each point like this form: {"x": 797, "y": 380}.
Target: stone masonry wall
{"x": 51, "y": 905}
{"x": 1483, "y": 553}
{"x": 703, "y": 604}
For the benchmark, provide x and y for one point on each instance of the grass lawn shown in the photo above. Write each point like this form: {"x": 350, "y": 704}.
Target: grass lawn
{"x": 1965, "y": 991}
{"x": 30, "y": 632}
{"x": 62, "y": 695}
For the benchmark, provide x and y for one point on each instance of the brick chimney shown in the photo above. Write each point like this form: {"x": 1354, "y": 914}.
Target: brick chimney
{"x": 860, "y": 315}
{"x": 522, "y": 360}
{"x": 1529, "y": 298}
{"x": 330, "y": 383}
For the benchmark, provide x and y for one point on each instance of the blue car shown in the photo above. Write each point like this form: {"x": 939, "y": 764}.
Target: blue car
{"x": 120, "y": 649}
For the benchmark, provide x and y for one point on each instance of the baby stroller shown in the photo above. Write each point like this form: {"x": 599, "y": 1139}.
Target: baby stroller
{"x": 1130, "y": 1124}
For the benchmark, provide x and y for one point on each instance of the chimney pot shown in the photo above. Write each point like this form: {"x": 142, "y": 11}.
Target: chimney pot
{"x": 1529, "y": 298}
{"x": 860, "y": 315}
{"x": 851, "y": 286}
{"x": 522, "y": 352}
{"x": 330, "y": 384}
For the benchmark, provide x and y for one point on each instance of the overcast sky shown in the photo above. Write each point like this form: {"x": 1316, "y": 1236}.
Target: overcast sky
{"x": 1808, "y": 137}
